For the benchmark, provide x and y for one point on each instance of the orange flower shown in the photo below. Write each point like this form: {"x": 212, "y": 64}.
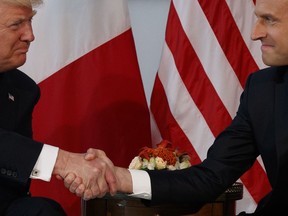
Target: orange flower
{"x": 171, "y": 157}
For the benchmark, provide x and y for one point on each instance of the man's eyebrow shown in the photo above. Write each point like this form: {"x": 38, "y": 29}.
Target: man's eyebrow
{"x": 266, "y": 14}
{"x": 32, "y": 14}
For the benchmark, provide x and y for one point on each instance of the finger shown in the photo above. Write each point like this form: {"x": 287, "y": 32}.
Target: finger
{"x": 88, "y": 194}
{"x": 110, "y": 176}
{"x": 95, "y": 190}
{"x": 99, "y": 186}
{"x": 75, "y": 184}
{"x": 107, "y": 178}
{"x": 69, "y": 178}
{"x": 111, "y": 181}
{"x": 103, "y": 187}
{"x": 80, "y": 190}
{"x": 59, "y": 177}
{"x": 89, "y": 156}
{"x": 94, "y": 153}
{"x": 98, "y": 152}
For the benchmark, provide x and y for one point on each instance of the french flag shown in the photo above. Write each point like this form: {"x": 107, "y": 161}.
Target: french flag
{"x": 92, "y": 95}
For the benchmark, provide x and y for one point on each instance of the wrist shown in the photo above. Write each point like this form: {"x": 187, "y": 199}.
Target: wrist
{"x": 61, "y": 163}
{"x": 124, "y": 180}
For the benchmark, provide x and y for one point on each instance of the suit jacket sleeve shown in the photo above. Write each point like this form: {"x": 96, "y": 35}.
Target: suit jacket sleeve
{"x": 232, "y": 153}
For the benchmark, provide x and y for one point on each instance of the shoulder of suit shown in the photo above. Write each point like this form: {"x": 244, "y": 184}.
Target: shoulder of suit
{"x": 21, "y": 80}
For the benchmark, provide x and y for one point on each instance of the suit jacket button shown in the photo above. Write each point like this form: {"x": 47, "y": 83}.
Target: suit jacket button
{"x": 3, "y": 171}
{"x": 9, "y": 173}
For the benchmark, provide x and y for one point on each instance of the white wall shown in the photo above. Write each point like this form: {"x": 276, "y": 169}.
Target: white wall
{"x": 148, "y": 20}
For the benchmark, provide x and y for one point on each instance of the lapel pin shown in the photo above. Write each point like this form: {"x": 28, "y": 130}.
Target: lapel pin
{"x": 10, "y": 97}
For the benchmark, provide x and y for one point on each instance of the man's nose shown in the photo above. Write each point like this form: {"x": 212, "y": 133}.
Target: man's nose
{"x": 27, "y": 34}
{"x": 258, "y": 31}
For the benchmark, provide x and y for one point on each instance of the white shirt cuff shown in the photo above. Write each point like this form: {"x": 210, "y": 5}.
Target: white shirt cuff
{"x": 45, "y": 164}
{"x": 141, "y": 184}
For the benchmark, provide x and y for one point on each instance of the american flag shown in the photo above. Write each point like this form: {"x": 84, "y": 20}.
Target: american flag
{"x": 206, "y": 58}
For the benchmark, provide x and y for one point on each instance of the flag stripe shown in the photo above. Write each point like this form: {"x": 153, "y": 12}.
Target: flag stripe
{"x": 200, "y": 38}
{"x": 194, "y": 76}
{"x": 169, "y": 76}
{"x": 257, "y": 188}
{"x": 229, "y": 37}
{"x": 244, "y": 22}
{"x": 167, "y": 124}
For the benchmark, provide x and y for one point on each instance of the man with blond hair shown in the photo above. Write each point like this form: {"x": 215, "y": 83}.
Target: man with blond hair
{"x": 21, "y": 157}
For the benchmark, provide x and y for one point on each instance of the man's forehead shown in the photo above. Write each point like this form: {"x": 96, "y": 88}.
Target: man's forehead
{"x": 11, "y": 12}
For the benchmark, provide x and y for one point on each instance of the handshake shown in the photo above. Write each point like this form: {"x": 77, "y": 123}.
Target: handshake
{"x": 92, "y": 174}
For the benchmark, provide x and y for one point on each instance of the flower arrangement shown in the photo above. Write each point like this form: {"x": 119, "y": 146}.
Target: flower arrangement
{"x": 164, "y": 156}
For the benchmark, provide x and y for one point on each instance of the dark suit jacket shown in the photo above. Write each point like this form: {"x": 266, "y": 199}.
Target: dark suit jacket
{"x": 259, "y": 128}
{"x": 18, "y": 155}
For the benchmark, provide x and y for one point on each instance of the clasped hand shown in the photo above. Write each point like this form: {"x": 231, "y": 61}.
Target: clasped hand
{"x": 86, "y": 175}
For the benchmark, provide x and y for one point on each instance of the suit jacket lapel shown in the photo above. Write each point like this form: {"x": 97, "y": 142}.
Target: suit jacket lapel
{"x": 8, "y": 105}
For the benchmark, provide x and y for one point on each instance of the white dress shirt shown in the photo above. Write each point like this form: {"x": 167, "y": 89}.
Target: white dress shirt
{"x": 45, "y": 164}
{"x": 141, "y": 184}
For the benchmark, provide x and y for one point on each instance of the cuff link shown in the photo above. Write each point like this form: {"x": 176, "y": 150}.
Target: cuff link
{"x": 35, "y": 172}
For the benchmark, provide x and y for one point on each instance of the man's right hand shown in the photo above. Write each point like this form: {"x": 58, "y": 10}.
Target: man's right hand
{"x": 123, "y": 176}
{"x": 96, "y": 176}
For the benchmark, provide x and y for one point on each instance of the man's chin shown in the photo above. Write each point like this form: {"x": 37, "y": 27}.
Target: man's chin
{"x": 20, "y": 61}
{"x": 15, "y": 64}
{"x": 274, "y": 62}
{"x": 267, "y": 61}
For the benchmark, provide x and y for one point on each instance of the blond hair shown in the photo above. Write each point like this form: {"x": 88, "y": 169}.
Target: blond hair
{"x": 25, "y": 3}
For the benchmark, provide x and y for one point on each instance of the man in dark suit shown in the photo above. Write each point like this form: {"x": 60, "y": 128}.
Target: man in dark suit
{"x": 21, "y": 157}
{"x": 259, "y": 128}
